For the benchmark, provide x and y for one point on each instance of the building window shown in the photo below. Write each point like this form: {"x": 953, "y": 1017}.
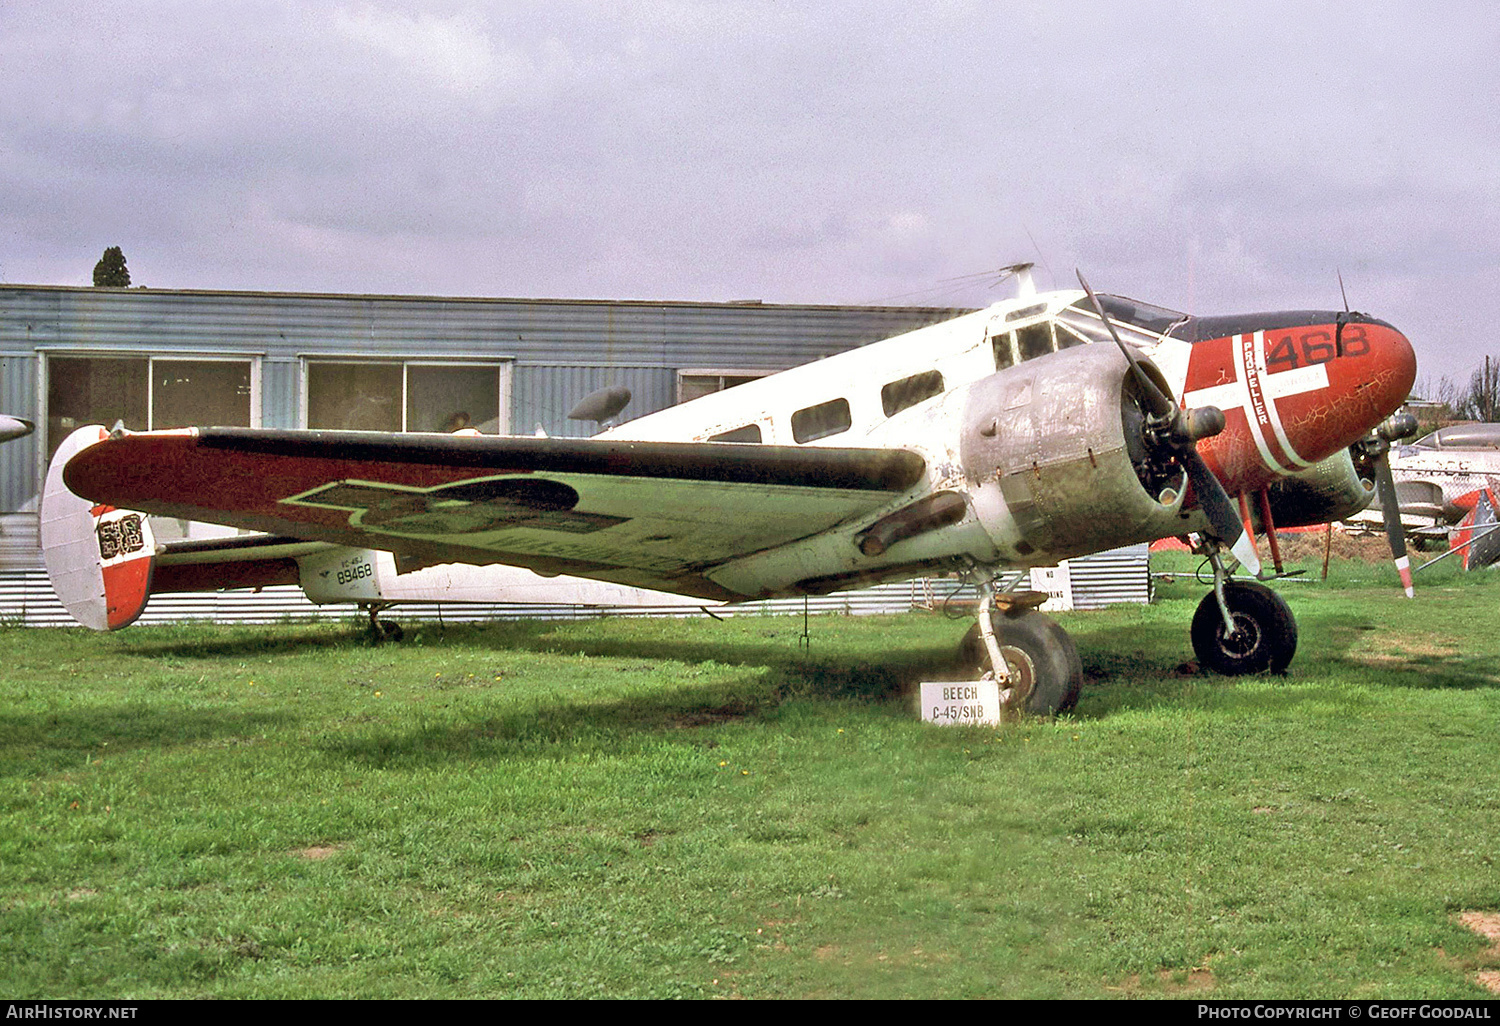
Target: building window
{"x": 694, "y": 384}
{"x": 814, "y": 422}
{"x": 405, "y": 396}
{"x": 146, "y": 393}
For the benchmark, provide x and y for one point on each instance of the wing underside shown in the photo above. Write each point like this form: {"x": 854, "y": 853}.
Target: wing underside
{"x": 650, "y": 514}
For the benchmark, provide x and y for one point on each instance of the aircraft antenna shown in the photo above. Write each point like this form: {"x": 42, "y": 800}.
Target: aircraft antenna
{"x": 1342, "y": 293}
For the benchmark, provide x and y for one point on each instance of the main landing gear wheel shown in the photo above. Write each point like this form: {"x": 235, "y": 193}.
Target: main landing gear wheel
{"x": 1265, "y": 636}
{"x": 381, "y": 630}
{"x": 1041, "y": 656}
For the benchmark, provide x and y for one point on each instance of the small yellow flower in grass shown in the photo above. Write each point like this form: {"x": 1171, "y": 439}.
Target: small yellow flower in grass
{"x": 744, "y": 773}
{"x": 379, "y": 693}
{"x": 723, "y": 764}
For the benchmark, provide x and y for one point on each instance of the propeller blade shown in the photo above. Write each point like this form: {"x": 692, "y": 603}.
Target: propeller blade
{"x": 1220, "y": 510}
{"x": 1184, "y": 432}
{"x": 1390, "y": 508}
{"x": 1163, "y": 405}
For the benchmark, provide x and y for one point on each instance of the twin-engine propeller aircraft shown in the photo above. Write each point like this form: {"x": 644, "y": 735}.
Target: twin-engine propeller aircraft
{"x": 1045, "y": 427}
{"x": 1445, "y": 487}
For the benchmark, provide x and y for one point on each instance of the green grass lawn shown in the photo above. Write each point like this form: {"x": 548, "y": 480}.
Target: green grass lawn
{"x": 659, "y": 808}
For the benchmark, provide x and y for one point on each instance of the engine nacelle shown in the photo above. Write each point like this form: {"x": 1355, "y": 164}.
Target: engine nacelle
{"x": 1331, "y": 490}
{"x": 1060, "y": 438}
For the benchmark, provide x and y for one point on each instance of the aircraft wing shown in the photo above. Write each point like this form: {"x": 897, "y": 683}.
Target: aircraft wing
{"x": 658, "y": 515}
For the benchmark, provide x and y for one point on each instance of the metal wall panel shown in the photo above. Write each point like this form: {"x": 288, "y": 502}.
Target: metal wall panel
{"x": 562, "y": 349}
{"x": 544, "y": 395}
{"x": 280, "y": 392}
{"x": 19, "y": 543}
{"x": 587, "y": 332}
{"x": 26, "y": 598}
{"x": 1105, "y": 578}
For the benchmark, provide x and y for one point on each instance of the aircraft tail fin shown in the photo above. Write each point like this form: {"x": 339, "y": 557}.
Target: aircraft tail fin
{"x": 100, "y": 559}
{"x": 1478, "y": 530}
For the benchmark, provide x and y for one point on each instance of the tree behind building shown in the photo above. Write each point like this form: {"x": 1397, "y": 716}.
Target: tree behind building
{"x": 110, "y": 272}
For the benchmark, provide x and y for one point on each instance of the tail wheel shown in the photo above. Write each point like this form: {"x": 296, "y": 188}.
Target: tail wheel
{"x": 1041, "y": 656}
{"x": 1264, "y": 638}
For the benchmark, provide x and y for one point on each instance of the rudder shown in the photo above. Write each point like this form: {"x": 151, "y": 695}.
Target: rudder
{"x": 100, "y": 559}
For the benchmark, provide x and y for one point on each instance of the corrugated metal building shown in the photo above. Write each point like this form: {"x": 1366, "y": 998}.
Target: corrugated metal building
{"x": 162, "y": 358}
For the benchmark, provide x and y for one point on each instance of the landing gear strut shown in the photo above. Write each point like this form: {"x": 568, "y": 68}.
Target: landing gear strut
{"x": 1242, "y": 627}
{"x": 381, "y": 630}
{"x": 1039, "y": 667}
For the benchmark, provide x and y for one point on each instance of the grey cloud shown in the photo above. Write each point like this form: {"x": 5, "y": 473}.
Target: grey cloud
{"x": 1219, "y": 158}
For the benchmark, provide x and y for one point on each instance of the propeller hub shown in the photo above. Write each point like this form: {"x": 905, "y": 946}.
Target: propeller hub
{"x": 1204, "y": 422}
{"x": 1397, "y": 426}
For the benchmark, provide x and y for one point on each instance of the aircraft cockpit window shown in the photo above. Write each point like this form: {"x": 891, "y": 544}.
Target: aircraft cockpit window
{"x": 1004, "y": 356}
{"x": 1025, "y": 312}
{"x": 814, "y": 422}
{"x": 1067, "y": 338}
{"x": 1086, "y": 324}
{"x": 1157, "y": 320}
{"x": 1034, "y": 340}
{"x": 748, "y": 433}
{"x": 906, "y": 393}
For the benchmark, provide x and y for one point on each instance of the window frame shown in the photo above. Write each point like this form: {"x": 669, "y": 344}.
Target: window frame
{"x": 45, "y": 355}
{"x": 504, "y": 368}
{"x": 892, "y": 403}
{"x": 721, "y": 373}
{"x": 812, "y": 411}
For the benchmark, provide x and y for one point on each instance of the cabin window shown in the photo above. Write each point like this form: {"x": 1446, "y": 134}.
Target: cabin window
{"x": 694, "y": 384}
{"x": 820, "y": 421}
{"x": 1034, "y": 340}
{"x": 906, "y": 393}
{"x": 146, "y": 393}
{"x": 405, "y": 396}
{"x": 748, "y": 433}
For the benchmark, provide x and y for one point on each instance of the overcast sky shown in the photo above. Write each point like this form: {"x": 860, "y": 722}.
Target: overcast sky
{"x": 1217, "y": 158}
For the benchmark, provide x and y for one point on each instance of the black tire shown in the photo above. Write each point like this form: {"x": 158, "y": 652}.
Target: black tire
{"x": 1266, "y": 638}
{"x": 1036, "y": 649}
{"x": 384, "y": 630}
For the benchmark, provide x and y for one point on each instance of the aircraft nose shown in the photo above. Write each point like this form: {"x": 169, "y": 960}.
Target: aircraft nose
{"x": 1389, "y": 367}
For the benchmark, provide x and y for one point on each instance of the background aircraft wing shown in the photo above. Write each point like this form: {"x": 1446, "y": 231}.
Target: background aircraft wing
{"x": 651, "y": 514}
